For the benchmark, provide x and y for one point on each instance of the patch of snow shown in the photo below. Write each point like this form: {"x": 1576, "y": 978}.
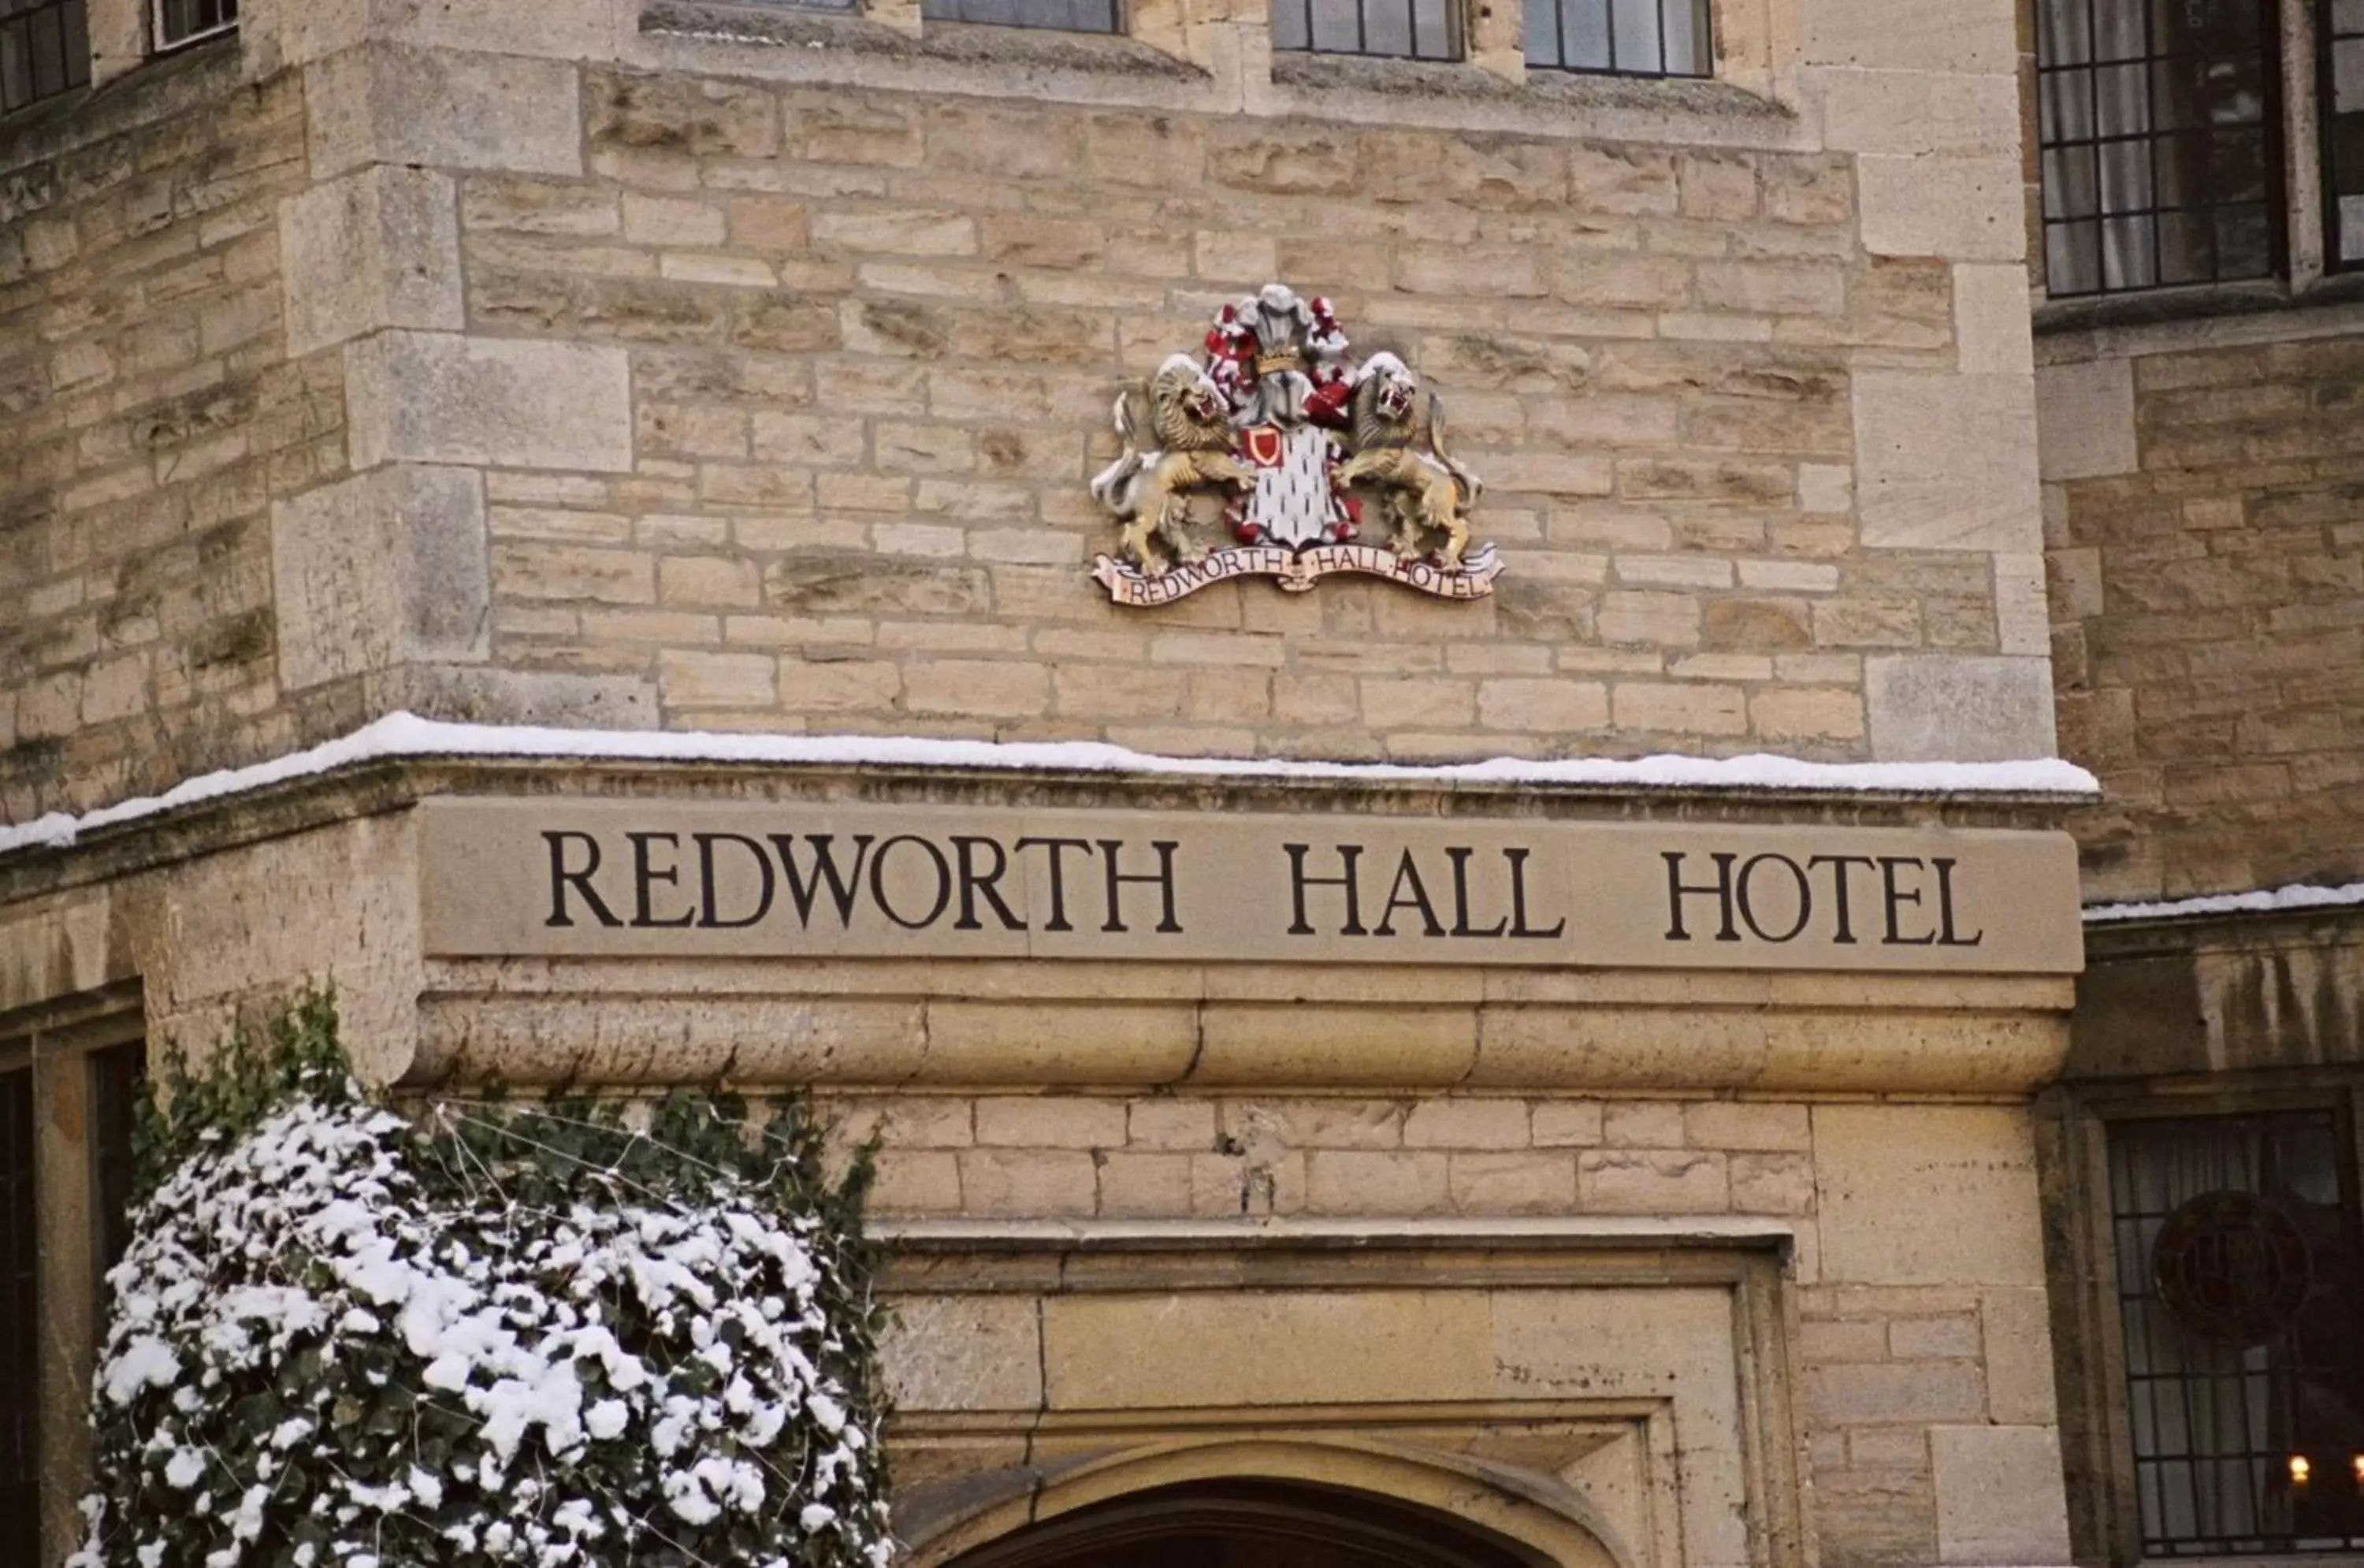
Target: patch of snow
{"x": 255, "y": 1257}
{"x": 403, "y": 734}
{"x": 2298, "y": 895}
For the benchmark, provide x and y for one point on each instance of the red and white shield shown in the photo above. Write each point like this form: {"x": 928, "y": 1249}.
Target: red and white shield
{"x": 1263, "y": 445}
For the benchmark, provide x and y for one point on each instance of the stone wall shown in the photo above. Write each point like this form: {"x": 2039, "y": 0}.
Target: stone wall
{"x": 148, "y": 414}
{"x": 1923, "y": 1350}
{"x": 854, "y": 360}
{"x": 630, "y": 376}
{"x": 1863, "y": 1136}
{"x": 2207, "y": 569}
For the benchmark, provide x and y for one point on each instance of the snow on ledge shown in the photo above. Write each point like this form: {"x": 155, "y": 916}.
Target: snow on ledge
{"x": 2298, "y": 895}
{"x": 405, "y": 735}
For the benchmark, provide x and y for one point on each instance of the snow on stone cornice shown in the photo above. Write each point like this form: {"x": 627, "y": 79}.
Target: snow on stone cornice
{"x": 403, "y": 734}
{"x": 2298, "y": 895}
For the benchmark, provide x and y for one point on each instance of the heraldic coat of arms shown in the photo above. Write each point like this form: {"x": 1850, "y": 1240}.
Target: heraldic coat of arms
{"x": 1321, "y": 464}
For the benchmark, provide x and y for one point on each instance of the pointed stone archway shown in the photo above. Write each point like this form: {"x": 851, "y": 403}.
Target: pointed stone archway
{"x": 1251, "y": 1523}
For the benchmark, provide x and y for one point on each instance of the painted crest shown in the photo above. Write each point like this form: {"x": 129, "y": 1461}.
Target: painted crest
{"x": 1320, "y": 463}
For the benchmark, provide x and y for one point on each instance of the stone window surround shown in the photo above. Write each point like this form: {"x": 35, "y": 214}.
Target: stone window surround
{"x": 1492, "y": 31}
{"x": 2159, "y": 320}
{"x": 122, "y": 39}
{"x": 1171, "y": 59}
{"x": 1187, "y": 56}
{"x": 2086, "y": 1325}
{"x": 58, "y": 1042}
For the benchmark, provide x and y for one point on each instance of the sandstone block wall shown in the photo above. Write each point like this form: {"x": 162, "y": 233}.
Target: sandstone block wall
{"x": 1925, "y": 1397}
{"x": 148, "y": 414}
{"x": 2207, "y": 576}
{"x": 871, "y": 349}
{"x": 594, "y": 375}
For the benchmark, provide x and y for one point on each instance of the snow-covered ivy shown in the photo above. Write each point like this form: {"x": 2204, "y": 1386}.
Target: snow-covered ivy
{"x": 487, "y": 1335}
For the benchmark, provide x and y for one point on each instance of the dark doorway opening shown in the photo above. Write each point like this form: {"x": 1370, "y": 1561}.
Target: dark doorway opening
{"x": 1251, "y": 1524}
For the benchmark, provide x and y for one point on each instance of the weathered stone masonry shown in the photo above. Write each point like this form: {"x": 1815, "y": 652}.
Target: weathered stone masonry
{"x": 694, "y": 399}
{"x": 148, "y": 413}
{"x": 2208, "y": 588}
{"x": 577, "y": 365}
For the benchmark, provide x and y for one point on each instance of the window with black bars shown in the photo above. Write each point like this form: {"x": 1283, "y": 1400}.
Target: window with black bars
{"x": 1404, "y": 29}
{"x": 2157, "y": 121}
{"x": 44, "y": 51}
{"x": 2237, "y": 1273}
{"x": 2343, "y": 132}
{"x": 186, "y": 21}
{"x": 1621, "y": 38}
{"x": 1066, "y": 16}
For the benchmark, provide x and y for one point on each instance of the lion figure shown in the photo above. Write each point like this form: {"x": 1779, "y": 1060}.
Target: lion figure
{"x": 1427, "y": 493}
{"x": 1148, "y": 488}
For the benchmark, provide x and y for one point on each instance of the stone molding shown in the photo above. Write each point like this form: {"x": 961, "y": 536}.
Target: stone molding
{"x": 1049, "y": 1353}
{"x": 345, "y": 847}
{"x": 392, "y": 782}
{"x": 912, "y": 1237}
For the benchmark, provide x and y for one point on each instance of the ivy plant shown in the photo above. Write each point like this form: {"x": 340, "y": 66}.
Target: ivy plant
{"x": 486, "y": 1333}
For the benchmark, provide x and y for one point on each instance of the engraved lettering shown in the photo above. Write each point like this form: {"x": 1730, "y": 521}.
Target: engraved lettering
{"x": 646, "y": 875}
{"x": 1894, "y": 897}
{"x": 1946, "y": 937}
{"x": 1408, "y": 877}
{"x": 1459, "y": 855}
{"x": 974, "y": 882}
{"x": 1058, "y": 921}
{"x": 1678, "y": 890}
{"x": 709, "y": 916}
{"x": 563, "y": 877}
{"x": 843, "y": 885}
{"x": 1518, "y": 858}
{"x": 1163, "y": 876}
{"x": 878, "y": 883}
{"x": 1839, "y": 864}
{"x": 1298, "y": 882}
{"x": 1746, "y": 898}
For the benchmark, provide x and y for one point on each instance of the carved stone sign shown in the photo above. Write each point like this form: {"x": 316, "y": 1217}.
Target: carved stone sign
{"x": 642, "y": 878}
{"x": 1310, "y": 452}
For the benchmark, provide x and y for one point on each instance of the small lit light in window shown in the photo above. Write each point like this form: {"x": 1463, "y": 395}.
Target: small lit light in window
{"x": 2358, "y": 1463}
{"x": 2300, "y": 1469}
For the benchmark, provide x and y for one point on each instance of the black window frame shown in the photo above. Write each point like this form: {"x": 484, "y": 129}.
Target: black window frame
{"x": 222, "y": 19}
{"x": 2120, "y": 1131}
{"x": 2329, "y": 135}
{"x": 2273, "y": 206}
{"x": 44, "y": 52}
{"x": 1295, "y": 20}
{"x": 1557, "y": 61}
{"x": 1010, "y": 14}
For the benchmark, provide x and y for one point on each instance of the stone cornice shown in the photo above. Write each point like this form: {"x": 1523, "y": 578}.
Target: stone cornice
{"x": 350, "y": 778}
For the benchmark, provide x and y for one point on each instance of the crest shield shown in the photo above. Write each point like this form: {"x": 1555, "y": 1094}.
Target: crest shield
{"x": 1309, "y": 449}
{"x": 1292, "y": 502}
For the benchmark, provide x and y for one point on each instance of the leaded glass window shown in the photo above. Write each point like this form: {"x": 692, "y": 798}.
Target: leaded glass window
{"x": 2158, "y": 128}
{"x": 2237, "y": 1280}
{"x": 2343, "y": 128}
{"x": 1621, "y": 38}
{"x": 185, "y": 21}
{"x": 44, "y": 51}
{"x": 1406, "y": 30}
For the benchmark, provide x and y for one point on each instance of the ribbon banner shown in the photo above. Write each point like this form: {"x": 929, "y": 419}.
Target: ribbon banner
{"x": 1298, "y": 570}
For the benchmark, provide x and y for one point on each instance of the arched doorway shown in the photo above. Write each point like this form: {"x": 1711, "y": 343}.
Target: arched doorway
{"x": 1251, "y": 1524}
